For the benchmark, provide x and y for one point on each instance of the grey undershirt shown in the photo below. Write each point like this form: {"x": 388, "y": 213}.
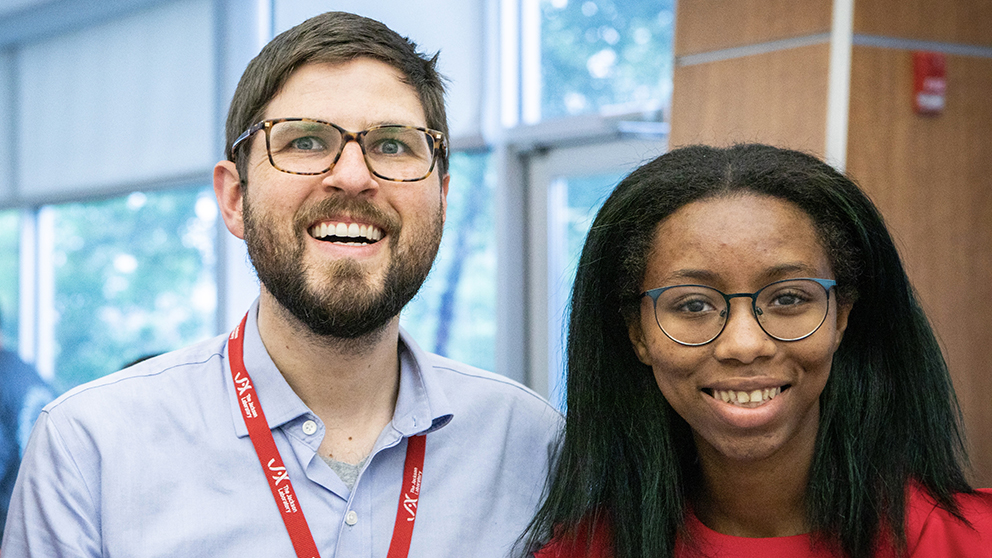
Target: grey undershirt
{"x": 347, "y": 472}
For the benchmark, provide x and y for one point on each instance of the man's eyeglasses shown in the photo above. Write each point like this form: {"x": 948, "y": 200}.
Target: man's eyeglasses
{"x": 787, "y": 310}
{"x": 306, "y": 146}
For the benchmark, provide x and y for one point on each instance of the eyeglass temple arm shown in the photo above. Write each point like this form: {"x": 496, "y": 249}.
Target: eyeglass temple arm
{"x": 245, "y": 135}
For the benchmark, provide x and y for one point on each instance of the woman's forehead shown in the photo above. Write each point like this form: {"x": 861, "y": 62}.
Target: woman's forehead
{"x": 735, "y": 237}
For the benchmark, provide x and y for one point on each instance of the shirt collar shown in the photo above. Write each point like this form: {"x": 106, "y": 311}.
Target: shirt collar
{"x": 279, "y": 402}
{"x": 421, "y": 405}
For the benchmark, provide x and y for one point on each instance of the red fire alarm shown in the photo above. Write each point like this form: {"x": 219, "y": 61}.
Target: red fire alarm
{"x": 930, "y": 82}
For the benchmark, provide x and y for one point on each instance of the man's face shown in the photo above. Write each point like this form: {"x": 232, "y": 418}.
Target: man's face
{"x": 343, "y": 251}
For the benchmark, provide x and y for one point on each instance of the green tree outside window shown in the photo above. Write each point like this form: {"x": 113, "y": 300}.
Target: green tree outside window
{"x": 133, "y": 276}
{"x": 455, "y": 312}
{"x": 605, "y": 55}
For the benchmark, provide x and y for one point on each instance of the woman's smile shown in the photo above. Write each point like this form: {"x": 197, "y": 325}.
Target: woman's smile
{"x": 745, "y": 394}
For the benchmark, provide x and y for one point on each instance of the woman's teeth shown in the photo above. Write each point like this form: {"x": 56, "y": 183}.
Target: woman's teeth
{"x": 746, "y": 398}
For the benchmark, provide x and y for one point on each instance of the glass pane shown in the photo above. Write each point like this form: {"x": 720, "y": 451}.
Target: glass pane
{"x": 9, "y": 269}
{"x": 455, "y": 312}
{"x": 572, "y": 207}
{"x": 133, "y": 276}
{"x": 605, "y": 56}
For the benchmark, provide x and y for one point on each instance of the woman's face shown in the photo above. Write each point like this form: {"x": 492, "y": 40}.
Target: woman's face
{"x": 739, "y": 244}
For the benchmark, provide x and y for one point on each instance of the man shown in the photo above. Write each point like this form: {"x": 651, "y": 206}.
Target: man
{"x": 22, "y": 395}
{"x": 318, "y": 409}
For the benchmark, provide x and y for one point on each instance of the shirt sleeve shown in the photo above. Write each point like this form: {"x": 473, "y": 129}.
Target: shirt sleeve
{"x": 34, "y": 401}
{"x": 941, "y": 534}
{"x": 53, "y": 513}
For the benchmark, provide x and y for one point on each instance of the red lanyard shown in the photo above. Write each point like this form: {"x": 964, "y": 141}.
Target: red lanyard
{"x": 282, "y": 487}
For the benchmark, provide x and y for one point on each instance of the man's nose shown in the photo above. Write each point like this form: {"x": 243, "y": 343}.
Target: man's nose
{"x": 350, "y": 173}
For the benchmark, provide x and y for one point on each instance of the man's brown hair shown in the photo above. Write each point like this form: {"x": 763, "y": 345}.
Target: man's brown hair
{"x": 333, "y": 37}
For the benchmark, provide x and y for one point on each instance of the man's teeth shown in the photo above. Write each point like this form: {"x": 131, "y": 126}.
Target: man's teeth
{"x": 346, "y": 230}
{"x": 749, "y": 398}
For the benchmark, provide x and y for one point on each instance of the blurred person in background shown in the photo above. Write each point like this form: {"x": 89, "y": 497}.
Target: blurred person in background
{"x": 22, "y": 396}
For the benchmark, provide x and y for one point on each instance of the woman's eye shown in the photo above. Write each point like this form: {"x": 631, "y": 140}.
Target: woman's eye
{"x": 695, "y": 306}
{"x": 789, "y": 299}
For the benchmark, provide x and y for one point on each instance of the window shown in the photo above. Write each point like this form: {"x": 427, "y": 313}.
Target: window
{"x": 568, "y": 186}
{"x": 455, "y": 312}
{"x": 9, "y": 266}
{"x": 572, "y": 206}
{"x": 130, "y": 277}
{"x": 602, "y": 56}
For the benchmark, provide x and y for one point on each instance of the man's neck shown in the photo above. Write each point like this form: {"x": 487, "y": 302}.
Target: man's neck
{"x": 350, "y": 384}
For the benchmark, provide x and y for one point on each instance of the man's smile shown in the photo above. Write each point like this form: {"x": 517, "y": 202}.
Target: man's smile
{"x": 346, "y": 233}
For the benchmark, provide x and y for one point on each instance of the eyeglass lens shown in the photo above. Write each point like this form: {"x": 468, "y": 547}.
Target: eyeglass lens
{"x": 786, "y": 310}
{"x": 392, "y": 152}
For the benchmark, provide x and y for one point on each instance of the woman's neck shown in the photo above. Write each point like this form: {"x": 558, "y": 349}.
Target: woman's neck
{"x": 763, "y": 498}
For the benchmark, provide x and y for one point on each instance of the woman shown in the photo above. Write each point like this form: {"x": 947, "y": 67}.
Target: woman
{"x": 750, "y": 374}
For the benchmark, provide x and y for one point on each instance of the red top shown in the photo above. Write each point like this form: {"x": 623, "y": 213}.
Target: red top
{"x": 930, "y": 532}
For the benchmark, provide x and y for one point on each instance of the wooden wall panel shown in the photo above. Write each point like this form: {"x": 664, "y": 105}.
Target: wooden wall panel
{"x": 706, "y": 25}
{"x": 778, "y": 98}
{"x": 958, "y": 21}
{"x": 932, "y": 179}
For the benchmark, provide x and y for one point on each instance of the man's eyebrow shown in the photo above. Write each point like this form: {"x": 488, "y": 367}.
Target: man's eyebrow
{"x": 396, "y": 120}
{"x": 308, "y": 125}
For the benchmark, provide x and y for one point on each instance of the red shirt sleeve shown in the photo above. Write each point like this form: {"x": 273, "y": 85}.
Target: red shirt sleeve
{"x": 932, "y": 531}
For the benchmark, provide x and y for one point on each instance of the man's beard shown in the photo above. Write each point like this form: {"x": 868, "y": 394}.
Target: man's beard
{"x": 338, "y": 301}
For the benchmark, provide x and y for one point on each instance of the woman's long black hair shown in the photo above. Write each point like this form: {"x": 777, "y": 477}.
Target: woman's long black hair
{"x": 888, "y": 412}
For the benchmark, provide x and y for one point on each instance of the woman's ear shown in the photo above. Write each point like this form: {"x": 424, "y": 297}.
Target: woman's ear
{"x": 230, "y": 197}
{"x": 843, "y": 313}
{"x": 637, "y": 340}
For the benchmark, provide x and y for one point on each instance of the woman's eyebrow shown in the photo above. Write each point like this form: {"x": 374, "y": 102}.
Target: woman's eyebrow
{"x": 780, "y": 271}
{"x": 692, "y": 274}
{"x": 784, "y": 270}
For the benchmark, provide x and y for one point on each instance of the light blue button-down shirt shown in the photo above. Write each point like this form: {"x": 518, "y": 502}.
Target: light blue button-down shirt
{"x": 155, "y": 461}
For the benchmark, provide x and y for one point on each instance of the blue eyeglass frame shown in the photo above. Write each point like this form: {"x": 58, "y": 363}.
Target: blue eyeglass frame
{"x": 653, "y": 294}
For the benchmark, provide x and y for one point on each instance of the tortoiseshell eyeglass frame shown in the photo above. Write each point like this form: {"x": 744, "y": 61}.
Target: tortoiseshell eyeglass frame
{"x": 439, "y": 141}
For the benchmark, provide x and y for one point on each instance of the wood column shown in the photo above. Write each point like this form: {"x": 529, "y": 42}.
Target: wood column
{"x": 760, "y": 70}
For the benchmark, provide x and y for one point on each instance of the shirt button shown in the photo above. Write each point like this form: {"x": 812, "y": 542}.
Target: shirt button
{"x": 351, "y": 518}
{"x": 309, "y": 427}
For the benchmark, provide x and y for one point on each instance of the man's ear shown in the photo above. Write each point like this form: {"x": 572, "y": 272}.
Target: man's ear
{"x": 444, "y": 196}
{"x": 230, "y": 197}
{"x": 637, "y": 340}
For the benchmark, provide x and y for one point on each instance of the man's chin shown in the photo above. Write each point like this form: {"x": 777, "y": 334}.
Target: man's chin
{"x": 341, "y": 317}
{"x": 344, "y": 274}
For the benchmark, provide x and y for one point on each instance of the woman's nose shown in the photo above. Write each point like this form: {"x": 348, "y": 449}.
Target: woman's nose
{"x": 742, "y": 338}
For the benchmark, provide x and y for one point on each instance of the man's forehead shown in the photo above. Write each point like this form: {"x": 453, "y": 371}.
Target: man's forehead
{"x": 365, "y": 91}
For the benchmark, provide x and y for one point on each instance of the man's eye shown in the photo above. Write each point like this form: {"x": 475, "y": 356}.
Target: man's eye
{"x": 307, "y": 143}
{"x": 390, "y": 147}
